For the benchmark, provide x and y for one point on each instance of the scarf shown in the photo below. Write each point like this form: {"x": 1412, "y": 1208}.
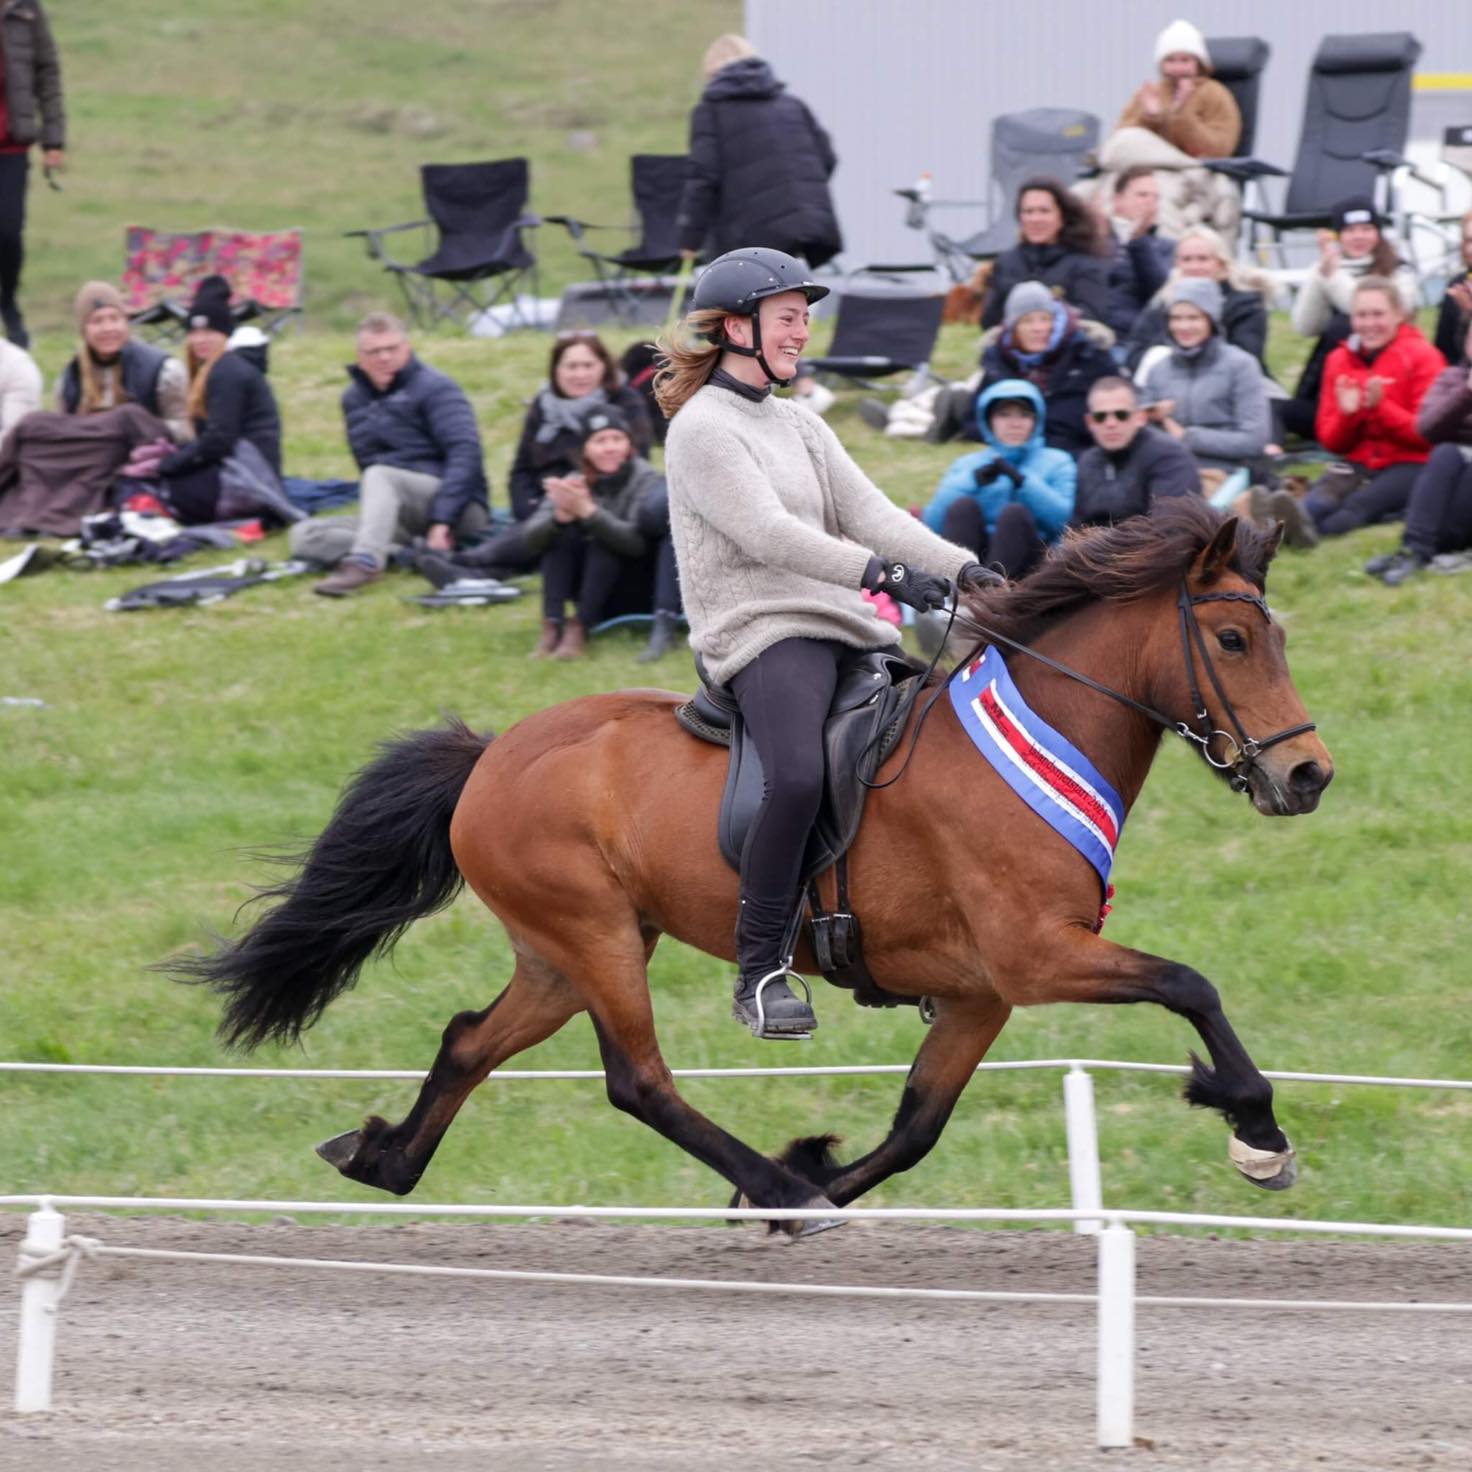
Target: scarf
{"x": 562, "y": 416}
{"x": 728, "y": 381}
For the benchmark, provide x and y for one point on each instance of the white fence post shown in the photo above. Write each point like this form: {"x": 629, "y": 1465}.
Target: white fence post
{"x": 1116, "y": 1388}
{"x": 1083, "y": 1145}
{"x": 40, "y": 1293}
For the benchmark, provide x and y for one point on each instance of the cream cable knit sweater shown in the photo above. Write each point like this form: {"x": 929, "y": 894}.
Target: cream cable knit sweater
{"x": 774, "y": 526}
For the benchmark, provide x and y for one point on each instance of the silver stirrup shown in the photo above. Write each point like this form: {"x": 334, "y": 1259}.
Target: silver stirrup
{"x": 761, "y": 986}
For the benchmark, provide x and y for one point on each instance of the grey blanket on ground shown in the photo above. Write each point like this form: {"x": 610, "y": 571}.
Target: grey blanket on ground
{"x": 57, "y": 468}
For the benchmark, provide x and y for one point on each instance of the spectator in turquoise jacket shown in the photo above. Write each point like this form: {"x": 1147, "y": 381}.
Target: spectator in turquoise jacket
{"x": 1008, "y": 501}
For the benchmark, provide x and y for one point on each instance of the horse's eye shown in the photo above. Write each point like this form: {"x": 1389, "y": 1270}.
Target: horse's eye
{"x": 1232, "y": 641}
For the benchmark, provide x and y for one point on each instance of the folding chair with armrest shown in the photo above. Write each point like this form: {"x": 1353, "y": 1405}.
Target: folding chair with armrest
{"x": 1041, "y": 142}
{"x": 1449, "y": 179}
{"x": 1356, "y": 112}
{"x": 657, "y": 181}
{"x": 476, "y": 214}
{"x": 880, "y": 334}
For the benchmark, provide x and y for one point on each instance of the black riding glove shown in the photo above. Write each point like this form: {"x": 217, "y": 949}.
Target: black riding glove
{"x": 921, "y": 590}
{"x": 977, "y": 575}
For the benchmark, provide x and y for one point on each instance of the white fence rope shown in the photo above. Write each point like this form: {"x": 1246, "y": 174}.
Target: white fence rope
{"x": 49, "y": 1259}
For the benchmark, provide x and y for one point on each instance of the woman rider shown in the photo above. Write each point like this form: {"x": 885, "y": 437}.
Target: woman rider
{"x": 775, "y": 532}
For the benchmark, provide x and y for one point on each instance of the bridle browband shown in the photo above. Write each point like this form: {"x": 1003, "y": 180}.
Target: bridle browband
{"x": 1245, "y": 750}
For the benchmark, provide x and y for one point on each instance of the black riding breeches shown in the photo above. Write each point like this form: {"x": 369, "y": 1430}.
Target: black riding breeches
{"x": 784, "y": 695}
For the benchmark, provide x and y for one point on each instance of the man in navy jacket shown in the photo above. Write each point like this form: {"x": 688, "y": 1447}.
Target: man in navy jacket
{"x": 413, "y": 433}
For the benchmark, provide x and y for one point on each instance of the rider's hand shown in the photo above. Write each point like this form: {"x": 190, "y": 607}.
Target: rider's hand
{"x": 976, "y": 575}
{"x": 921, "y": 590}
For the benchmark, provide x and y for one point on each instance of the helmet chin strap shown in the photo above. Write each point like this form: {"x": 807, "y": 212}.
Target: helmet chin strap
{"x": 755, "y": 350}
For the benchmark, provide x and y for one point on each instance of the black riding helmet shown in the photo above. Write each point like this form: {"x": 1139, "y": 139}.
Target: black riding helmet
{"x": 736, "y": 284}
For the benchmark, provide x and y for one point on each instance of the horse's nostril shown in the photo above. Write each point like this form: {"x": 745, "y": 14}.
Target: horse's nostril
{"x": 1307, "y": 778}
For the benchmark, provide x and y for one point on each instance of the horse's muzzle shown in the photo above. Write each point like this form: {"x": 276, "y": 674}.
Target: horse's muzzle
{"x": 1291, "y": 793}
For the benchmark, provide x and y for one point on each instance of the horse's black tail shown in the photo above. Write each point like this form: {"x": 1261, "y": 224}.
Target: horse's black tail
{"x": 382, "y": 862}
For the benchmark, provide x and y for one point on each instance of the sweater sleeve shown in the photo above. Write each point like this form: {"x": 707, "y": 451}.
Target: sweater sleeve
{"x": 867, "y": 516}
{"x": 20, "y": 393}
{"x": 1312, "y": 307}
{"x": 733, "y": 496}
{"x": 1250, "y": 421}
{"x": 1209, "y": 124}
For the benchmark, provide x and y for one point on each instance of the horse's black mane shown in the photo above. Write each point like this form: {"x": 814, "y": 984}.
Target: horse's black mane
{"x": 1120, "y": 563}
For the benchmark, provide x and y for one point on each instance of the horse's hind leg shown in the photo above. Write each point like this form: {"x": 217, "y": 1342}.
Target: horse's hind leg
{"x": 957, "y": 1041}
{"x": 536, "y": 1002}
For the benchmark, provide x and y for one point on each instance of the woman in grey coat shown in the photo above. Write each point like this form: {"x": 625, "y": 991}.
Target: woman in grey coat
{"x": 1206, "y": 393}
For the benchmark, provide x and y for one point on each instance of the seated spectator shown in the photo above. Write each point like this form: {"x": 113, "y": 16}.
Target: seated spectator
{"x": 1439, "y": 511}
{"x": 1374, "y": 385}
{"x": 1202, "y": 255}
{"x": 20, "y": 387}
{"x": 230, "y": 404}
{"x": 1455, "y": 315}
{"x": 1060, "y": 244}
{"x": 1142, "y": 255}
{"x": 1204, "y": 392}
{"x": 413, "y": 434}
{"x": 114, "y": 395}
{"x": 1046, "y": 342}
{"x": 581, "y": 376}
{"x": 1173, "y": 121}
{"x": 586, "y": 532}
{"x": 1132, "y": 464}
{"x": 1007, "y": 502}
{"x": 1354, "y": 249}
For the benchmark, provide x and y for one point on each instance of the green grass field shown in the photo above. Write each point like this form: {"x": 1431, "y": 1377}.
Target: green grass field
{"x": 173, "y": 743}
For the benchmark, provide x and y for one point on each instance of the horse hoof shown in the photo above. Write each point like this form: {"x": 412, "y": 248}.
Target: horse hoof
{"x": 340, "y": 1149}
{"x": 1270, "y": 1170}
{"x": 798, "y": 1230}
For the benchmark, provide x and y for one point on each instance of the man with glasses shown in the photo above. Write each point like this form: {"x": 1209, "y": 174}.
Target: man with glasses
{"x": 413, "y": 433}
{"x": 1131, "y": 464}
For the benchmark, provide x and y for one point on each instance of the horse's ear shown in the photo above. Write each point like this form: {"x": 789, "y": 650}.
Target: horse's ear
{"x": 1272, "y": 542}
{"x": 1216, "y": 557}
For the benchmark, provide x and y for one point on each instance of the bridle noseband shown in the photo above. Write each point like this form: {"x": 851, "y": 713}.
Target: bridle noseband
{"x": 1199, "y": 731}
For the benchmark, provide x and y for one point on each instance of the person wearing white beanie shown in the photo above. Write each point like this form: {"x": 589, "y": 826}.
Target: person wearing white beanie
{"x": 1176, "y": 118}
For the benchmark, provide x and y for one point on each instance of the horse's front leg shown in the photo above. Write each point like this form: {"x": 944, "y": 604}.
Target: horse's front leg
{"x": 1086, "y": 968}
{"x": 956, "y": 1042}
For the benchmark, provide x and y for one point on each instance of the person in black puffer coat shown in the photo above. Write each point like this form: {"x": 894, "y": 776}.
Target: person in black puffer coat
{"x": 231, "y": 405}
{"x": 759, "y": 165}
{"x": 1061, "y": 354}
{"x": 1061, "y": 244}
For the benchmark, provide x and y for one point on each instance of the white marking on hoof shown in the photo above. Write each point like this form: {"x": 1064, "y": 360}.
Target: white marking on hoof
{"x": 340, "y": 1149}
{"x": 1272, "y": 1170}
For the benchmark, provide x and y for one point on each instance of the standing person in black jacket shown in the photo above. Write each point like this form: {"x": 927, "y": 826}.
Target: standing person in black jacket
{"x": 759, "y": 164}
{"x": 1061, "y": 244}
{"x": 413, "y": 433}
{"x": 229, "y": 402}
{"x": 30, "y": 110}
{"x": 1132, "y": 464}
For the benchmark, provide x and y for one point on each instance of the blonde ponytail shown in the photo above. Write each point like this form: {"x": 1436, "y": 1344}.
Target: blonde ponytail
{"x": 687, "y": 358}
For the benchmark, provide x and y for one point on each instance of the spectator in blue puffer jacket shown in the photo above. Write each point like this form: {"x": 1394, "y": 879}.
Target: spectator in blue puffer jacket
{"x": 1007, "y": 502}
{"x": 413, "y": 433}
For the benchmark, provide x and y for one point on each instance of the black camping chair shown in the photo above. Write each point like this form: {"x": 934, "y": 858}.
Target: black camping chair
{"x": 1237, "y": 62}
{"x": 657, "y": 181}
{"x": 476, "y": 215}
{"x": 1046, "y": 142}
{"x": 880, "y": 334}
{"x": 1355, "y": 120}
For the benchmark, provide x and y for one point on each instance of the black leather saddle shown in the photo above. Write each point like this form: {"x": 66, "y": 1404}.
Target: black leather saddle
{"x": 866, "y": 718}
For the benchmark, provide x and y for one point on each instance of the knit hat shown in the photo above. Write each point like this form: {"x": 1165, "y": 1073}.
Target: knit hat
{"x": 93, "y": 297}
{"x": 1199, "y": 292}
{"x": 1359, "y": 209}
{"x": 1181, "y": 35}
{"x": 211, "y": 306}
{"x": 605, "y": 416}
{"x": 1025, "y": 297}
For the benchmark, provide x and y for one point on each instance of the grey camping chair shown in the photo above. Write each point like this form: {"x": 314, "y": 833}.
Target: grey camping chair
{"x": 880, "y": 334}
{"x": 1043, "y": 142}
{"x": 1355, "y": 119}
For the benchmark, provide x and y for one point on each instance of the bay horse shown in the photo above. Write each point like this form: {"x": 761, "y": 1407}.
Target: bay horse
{"x": 968, "y": 899}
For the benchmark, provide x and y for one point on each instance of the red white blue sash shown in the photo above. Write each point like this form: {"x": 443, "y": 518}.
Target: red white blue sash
{"x": 1051, "y": 775}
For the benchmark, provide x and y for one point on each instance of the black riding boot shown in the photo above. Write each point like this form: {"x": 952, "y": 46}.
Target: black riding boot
{"x": 763, "y": 1000}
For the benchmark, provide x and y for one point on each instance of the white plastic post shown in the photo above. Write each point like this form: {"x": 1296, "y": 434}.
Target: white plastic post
{"x": 1083, "y": 1145}
{"x": 39, "y": 1297}
{"x": 1116, "y": 1389}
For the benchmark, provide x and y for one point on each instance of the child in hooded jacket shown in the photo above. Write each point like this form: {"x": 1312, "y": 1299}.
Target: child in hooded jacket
{"x": 1010, "y": 500}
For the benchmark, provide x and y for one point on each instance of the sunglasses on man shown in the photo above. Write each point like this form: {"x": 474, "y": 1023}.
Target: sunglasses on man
{"x": 1103, "y": 416}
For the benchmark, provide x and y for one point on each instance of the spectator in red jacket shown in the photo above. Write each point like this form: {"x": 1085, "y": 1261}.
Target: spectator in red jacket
{"x": 1374, "y": 382}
